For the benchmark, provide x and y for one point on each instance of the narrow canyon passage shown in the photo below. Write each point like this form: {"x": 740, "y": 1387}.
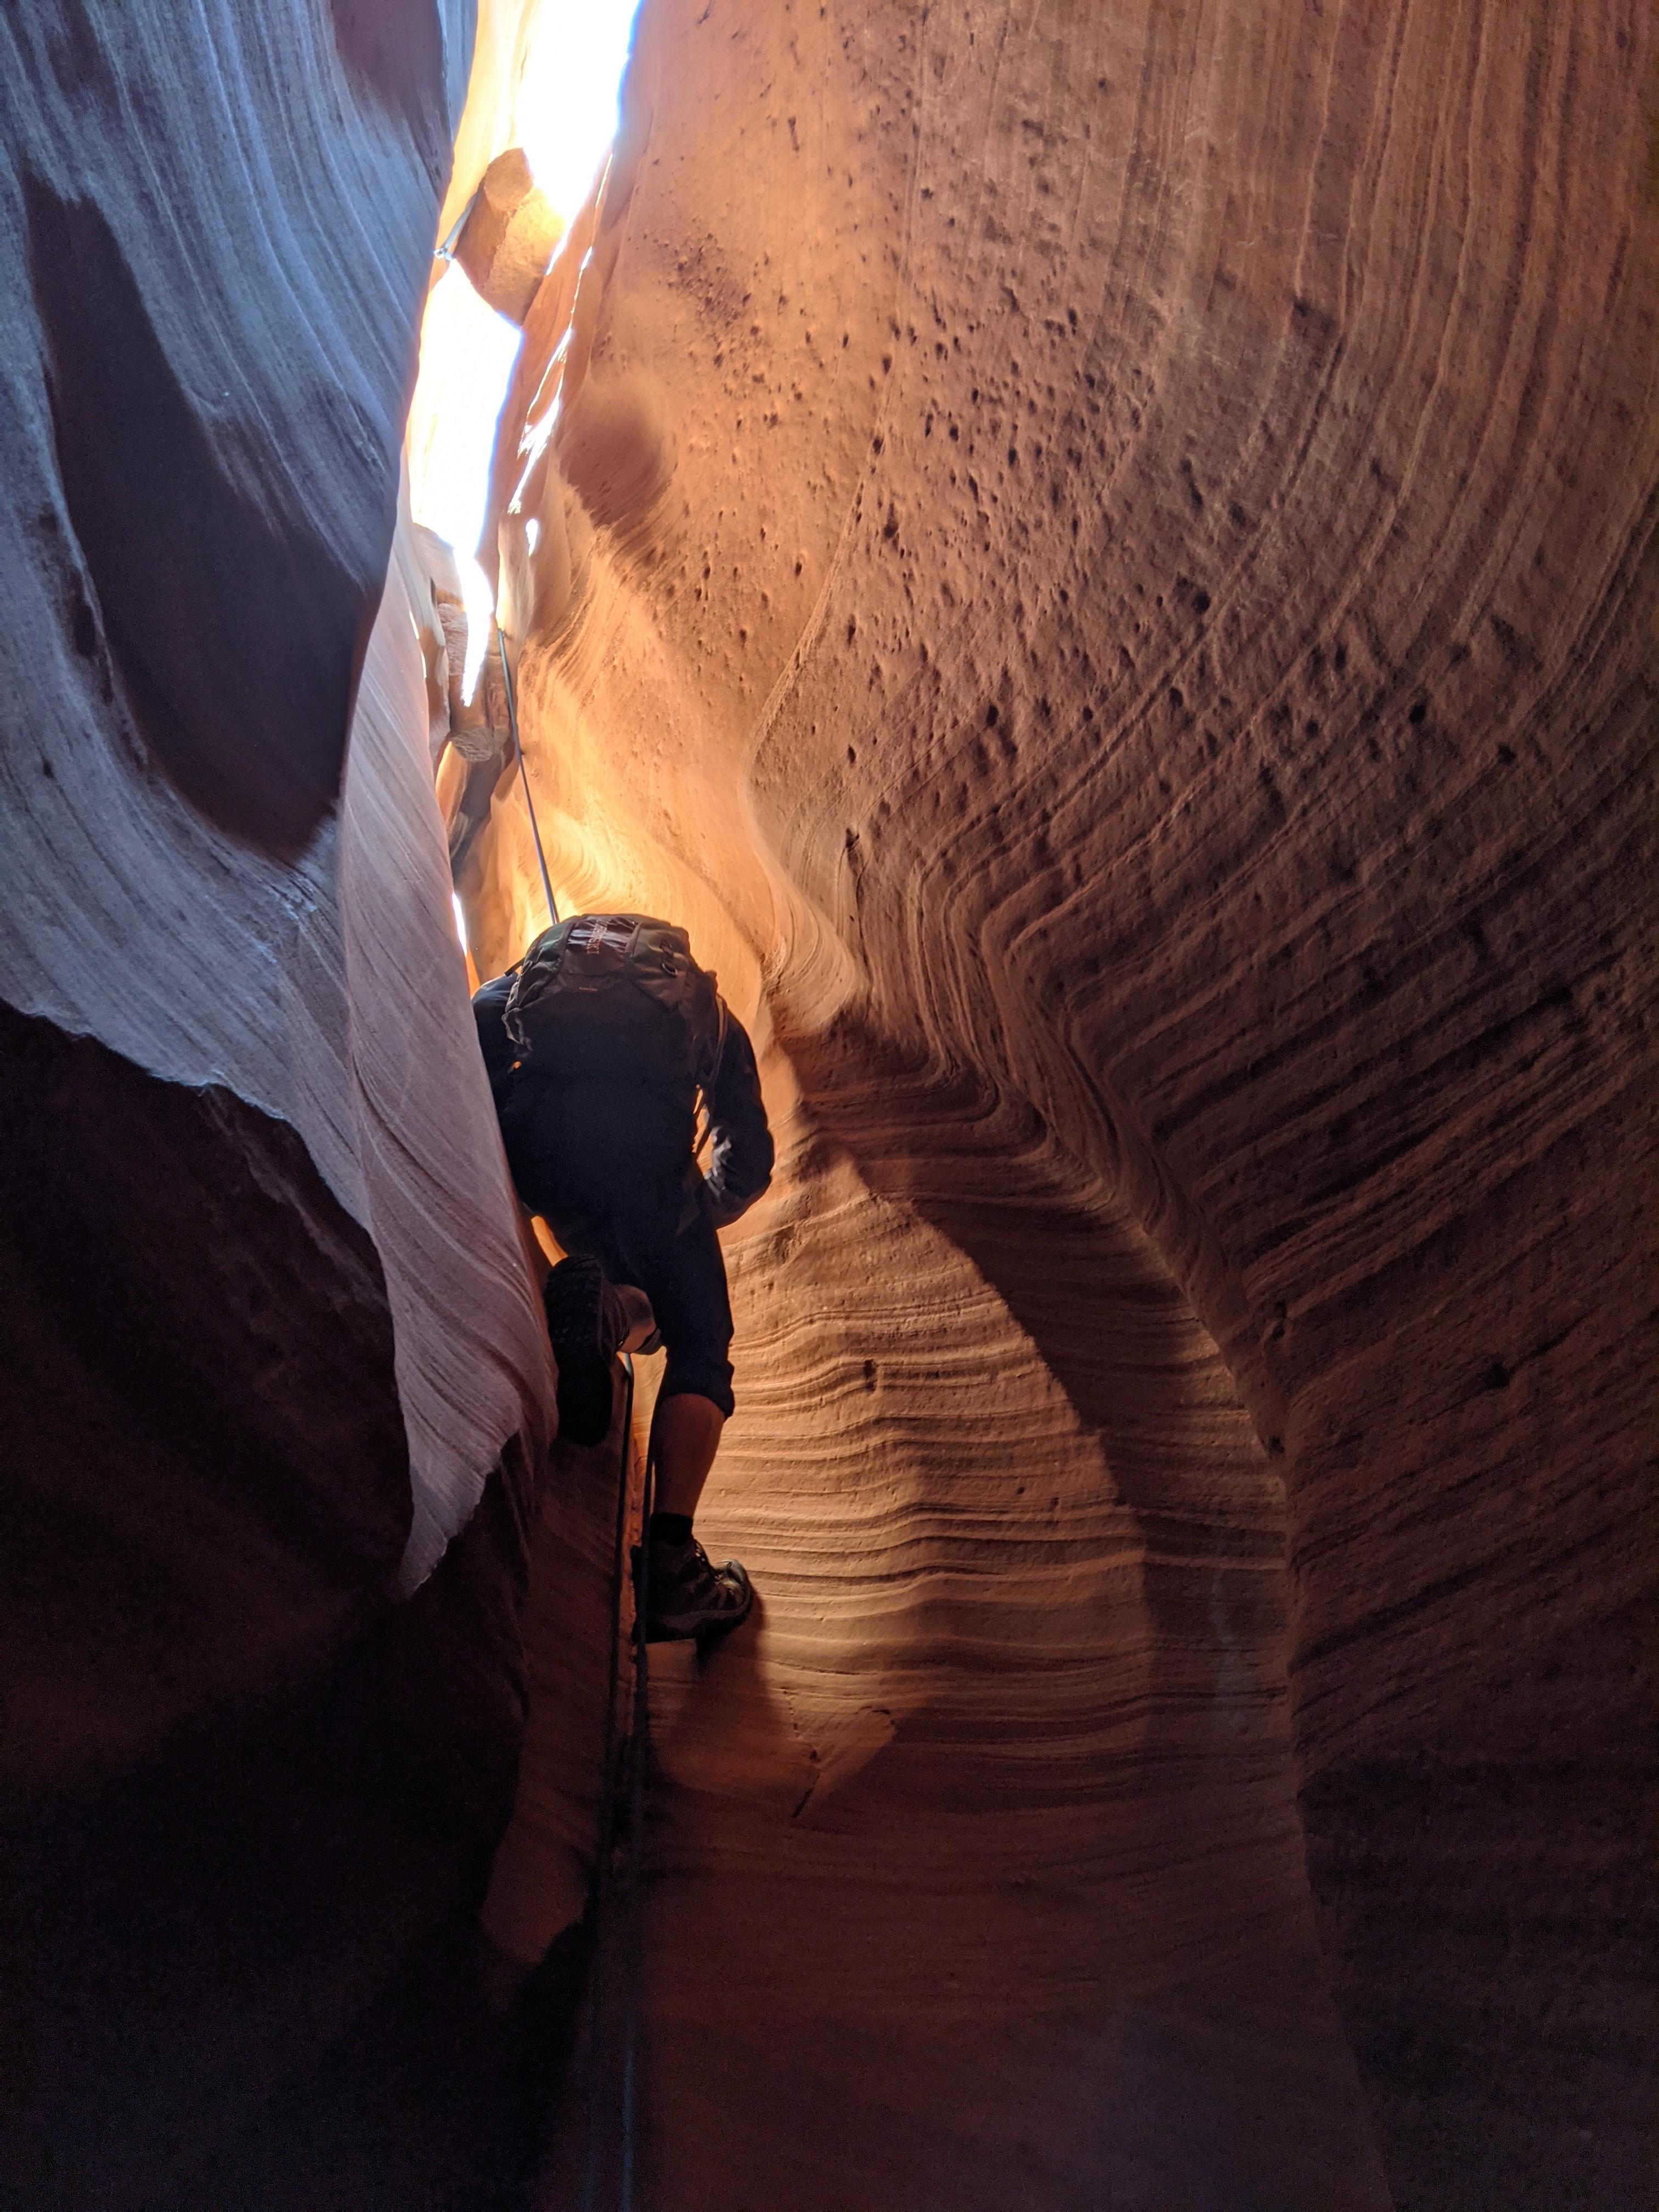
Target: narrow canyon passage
{"x": 1102, "y": 560}
{"x": 937, "y": 471}
{"x": 998, "y": 1785}
{"x": 1000, "y": 1793}
{"x": 958, "y": 623}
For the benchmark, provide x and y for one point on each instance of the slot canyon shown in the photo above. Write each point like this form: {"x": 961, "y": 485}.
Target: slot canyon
{"x": 1100, "y": 556}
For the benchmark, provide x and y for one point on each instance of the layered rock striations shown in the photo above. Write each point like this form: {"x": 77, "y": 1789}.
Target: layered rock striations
{"x": 273, "y": 1363}
{"x": 1102, "y": 560}
{"x": 1105, "y": 568}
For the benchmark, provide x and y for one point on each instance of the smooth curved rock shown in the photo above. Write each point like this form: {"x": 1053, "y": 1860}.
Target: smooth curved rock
{"x": 1123, "y": 622}
{"x": 1144, "y": 670}
{"x": 273, "y": 1361}
{"x": 510, "y": 237}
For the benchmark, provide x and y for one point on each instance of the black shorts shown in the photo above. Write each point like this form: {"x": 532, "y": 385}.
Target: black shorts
{"x": 680, "y": 1268}
{"x": 663, "y": 1240}
{"x": 608, "y": 1166}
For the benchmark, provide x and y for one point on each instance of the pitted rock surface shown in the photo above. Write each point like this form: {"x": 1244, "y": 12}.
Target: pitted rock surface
{"x": 1141, "y": 680}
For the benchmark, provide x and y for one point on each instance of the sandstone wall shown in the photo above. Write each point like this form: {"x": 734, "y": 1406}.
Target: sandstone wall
{"x": 1101, "y": 558}
{"x": 272, "y": 1360}
{"x": 1106, "y": 568}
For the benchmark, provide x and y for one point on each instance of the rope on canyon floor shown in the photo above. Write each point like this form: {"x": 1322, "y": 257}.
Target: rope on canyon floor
{"x": 638, "y": 1748}
{"x": 605, "y": 1839}
{"x": 530, "y": 804}
{"x": 610, "y": 1843}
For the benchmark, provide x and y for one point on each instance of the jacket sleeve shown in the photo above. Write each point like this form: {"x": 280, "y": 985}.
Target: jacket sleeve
{"x": 740, "y": 1159}
{"x": 489, "y": 1013}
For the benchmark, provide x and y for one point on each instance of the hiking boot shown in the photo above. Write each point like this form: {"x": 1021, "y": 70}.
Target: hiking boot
{"x": 685, "y": 1595}
{"x": 585, "y": 1324}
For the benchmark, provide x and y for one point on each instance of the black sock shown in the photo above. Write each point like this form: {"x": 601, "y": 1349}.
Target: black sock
{"x": 670, "y": 1528}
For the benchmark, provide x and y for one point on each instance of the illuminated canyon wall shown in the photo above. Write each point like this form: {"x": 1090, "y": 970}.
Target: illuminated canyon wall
{"x": 1102, "y": 559}
{"x": 271, "y": 1359}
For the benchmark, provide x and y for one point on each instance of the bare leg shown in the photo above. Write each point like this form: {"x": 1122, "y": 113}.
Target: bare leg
{"x": 687, "y": 1594}
{"x": 685, "y": 1435}
{"x": 535, "y": 1254}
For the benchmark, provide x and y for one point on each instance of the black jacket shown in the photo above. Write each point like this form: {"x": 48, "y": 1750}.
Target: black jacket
{"x": 571, "y": 1142}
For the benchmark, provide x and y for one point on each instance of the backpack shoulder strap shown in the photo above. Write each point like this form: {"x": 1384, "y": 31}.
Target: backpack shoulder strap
{"x": 722, "y": 1023}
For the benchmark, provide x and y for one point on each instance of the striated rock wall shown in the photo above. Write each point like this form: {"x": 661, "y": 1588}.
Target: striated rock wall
{"x": 1105, "y": 568}
{"x": 271, "y": 1358}
{"x": 1102, "y": 559}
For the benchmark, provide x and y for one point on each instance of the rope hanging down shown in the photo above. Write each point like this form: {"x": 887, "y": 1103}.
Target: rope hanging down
{"x": 446, "y": 253}
{"x": 524, "y": 776}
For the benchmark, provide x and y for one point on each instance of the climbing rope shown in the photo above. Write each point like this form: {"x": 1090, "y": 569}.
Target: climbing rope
{"x": 524, "y": 777}
{"x": 639, "y": 1746}
{"x": 626, "y": 1846}
{"x": 608, "y": 1843}
{"x": 446, "y": 252}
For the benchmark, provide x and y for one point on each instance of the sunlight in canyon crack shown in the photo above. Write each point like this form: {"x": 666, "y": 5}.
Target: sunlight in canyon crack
{"x": 566, "y": 117}
{"x": 1100, "y": 560}
{"x": 467, "y": 353}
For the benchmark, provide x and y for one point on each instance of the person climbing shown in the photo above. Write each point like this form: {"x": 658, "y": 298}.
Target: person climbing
{"x": 599, "y": 1043}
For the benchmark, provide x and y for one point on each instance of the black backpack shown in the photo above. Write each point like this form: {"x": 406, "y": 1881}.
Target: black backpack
{"x": 616, "y": 997}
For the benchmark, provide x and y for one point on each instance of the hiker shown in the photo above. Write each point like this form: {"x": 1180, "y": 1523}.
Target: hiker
{"x": 599, "y": 1044}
